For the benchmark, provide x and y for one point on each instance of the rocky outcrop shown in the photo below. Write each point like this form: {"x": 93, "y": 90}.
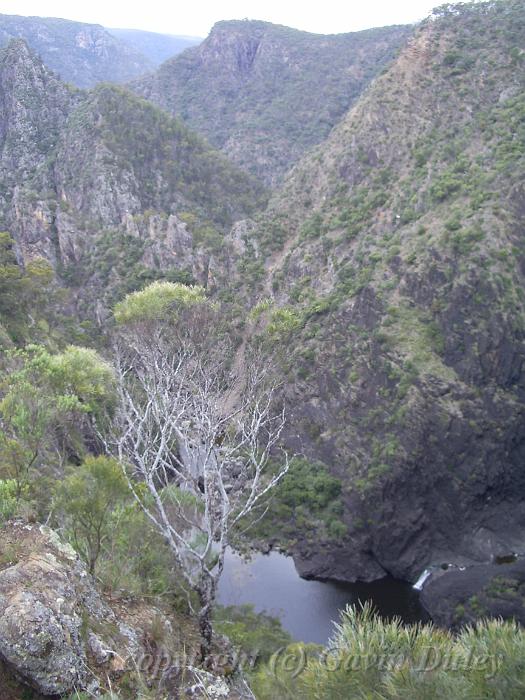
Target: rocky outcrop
{"x": 60, "y": 635}
{"x": 454, "y": 598}
{"x": 56, "y": 631}
{"x": 34, "y": 105}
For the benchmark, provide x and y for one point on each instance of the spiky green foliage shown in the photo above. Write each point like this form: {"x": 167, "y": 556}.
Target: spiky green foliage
{"x": 370, "y": 659}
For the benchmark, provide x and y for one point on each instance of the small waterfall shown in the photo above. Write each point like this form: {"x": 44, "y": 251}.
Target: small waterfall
{"x": 418, "y": 585}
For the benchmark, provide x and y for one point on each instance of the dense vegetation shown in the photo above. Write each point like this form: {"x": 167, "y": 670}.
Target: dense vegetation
{"x": 265, "y": 94}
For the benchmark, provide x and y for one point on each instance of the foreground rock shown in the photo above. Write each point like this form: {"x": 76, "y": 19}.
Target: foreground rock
{"x": 455, "y": 597}
{"x": 60, "y": 635}
{"x": 53, "y": 622}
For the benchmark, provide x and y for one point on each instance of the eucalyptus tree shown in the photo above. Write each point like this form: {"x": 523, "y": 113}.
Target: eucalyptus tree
{"x": 198, "y": 431}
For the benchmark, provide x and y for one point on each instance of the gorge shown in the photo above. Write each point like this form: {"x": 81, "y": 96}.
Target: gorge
{"x": 352, "y": 208}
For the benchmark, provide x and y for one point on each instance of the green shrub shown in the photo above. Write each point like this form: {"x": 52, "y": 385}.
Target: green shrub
{"x": 8, "y": 499}
{"x": 282, "y": 322}
{"x": 156, "y": 301}
{"x": 445, "y": 185}
{"x": 312, "y": 228}
{"x": 307, "y": 497}
{"x": 136, "y": 559}
{"x": 87, "y": 497}
{"x": 257, "y": 634}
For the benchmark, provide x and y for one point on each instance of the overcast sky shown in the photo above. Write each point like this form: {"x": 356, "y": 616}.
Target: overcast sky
{"x": 197, "y": 18}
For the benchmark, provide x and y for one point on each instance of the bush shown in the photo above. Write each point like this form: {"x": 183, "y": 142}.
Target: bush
{"x": 256, "y": 634}
{"x": 157, "y": 301}
{"x": 377, "y": 660}
{"x": 282, "y": 323}
{"x": 135, "y": 559}
{"x": 307, "y": 497}
{"x": 445, "y": 185}
{"x": 87, "y": 498}
{"x": 8, "y": 499}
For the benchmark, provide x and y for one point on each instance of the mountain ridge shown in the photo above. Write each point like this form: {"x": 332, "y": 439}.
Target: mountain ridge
{"x": 80, "y": 168}
{"x": 403, "y": 270}
{"x": 82, "y": 54}
{"x": 265, "y": 93}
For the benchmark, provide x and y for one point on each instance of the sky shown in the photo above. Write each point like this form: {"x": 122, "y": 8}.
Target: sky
{"x": 197, "y": 18}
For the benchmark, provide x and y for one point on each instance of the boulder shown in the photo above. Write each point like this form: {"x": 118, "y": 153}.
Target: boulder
{"x": 53, "y": 623}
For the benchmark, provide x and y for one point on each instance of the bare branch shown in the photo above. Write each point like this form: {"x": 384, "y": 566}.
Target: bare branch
{"x": 199, "y": 437}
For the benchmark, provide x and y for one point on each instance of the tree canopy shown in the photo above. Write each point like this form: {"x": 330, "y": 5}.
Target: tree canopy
{"x": 158, "y": 301}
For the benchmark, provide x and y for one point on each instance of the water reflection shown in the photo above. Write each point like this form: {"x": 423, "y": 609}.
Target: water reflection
{"x": 307, "y": 609}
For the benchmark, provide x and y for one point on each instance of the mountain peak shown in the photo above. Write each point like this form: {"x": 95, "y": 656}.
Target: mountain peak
{"x": 20, "y": 66}
{"x": 242, "y": 25}
{"x": 17, "y": 48}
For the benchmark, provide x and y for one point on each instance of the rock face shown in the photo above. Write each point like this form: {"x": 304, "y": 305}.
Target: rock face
{"x": 265, "y": 94}
{"x": 33, "y": 111}
{"x": 39, "y": 629}
{"x": 53, "y": 623}
{"x": 102, "y": 202}
{"x": 82, "y": 54}
{"x": 403, "y": 262}
{"x": 455, "y": 598}
{"x": 59, "y": 635}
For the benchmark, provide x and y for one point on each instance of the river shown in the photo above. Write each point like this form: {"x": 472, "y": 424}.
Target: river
{"x": 307, "y": 609}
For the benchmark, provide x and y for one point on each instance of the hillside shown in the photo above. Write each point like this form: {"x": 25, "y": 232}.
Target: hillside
{"x": 82, "y": 54}
{"x": 396, "y": 251}
{"x": 343, "y": 381}
{"x": 156, "y": 47}
{"x": 265, "y": 94}
{"x": 104, "y": 185}
{"x": 392, "y": 253}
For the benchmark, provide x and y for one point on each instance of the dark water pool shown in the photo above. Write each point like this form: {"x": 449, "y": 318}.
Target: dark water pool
{"x": 307, "y": 609}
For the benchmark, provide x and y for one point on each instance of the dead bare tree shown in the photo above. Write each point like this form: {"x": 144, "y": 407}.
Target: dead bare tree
{"x": 207, "y": 459}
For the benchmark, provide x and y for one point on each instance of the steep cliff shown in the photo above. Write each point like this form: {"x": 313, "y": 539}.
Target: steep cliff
{"x": 93, "y": 178}
{"x": 397, "y": 250}
{"x": 265, "y": 94}
{"x": 82, "y": 54}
